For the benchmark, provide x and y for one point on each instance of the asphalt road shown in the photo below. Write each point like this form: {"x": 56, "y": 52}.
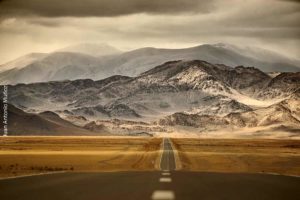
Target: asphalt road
{"x": 166, "y": 184}
{"x": 167, "y": 160}
{"x": 148, "y": 185}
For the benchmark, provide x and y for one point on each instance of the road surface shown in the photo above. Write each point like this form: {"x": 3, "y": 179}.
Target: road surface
{"x": 166, "y": 184}
{"x": 148, "y": 185}
{"x": 167, "y": 160}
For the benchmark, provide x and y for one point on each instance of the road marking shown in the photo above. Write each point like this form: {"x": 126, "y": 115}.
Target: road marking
{"x": 166, "y": 174}
{"x": 162, "y": 153}
{"x": 165, "y": 180}
{"x": 163, "y": 195}
{"x": 39, "y": 174}
{"x": 177, "y": 164}
{"x": 277, "y": 174}
{"x": 167, "y": 158}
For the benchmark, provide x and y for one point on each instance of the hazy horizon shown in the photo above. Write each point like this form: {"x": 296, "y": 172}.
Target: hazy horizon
{"x": 128, "y": 49}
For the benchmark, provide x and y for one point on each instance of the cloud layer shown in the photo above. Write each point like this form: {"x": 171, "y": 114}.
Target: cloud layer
{"x": 44, "y": 25}
{"x": 102, "y": 8}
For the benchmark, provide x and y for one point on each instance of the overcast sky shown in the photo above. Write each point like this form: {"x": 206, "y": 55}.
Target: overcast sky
{"x": 45, "y": 25}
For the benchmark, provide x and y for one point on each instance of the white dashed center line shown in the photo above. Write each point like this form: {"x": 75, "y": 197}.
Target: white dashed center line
{"x": 165, "y": 176}
{"x": 163, "y": 195}
{"x": 165, "y": 180}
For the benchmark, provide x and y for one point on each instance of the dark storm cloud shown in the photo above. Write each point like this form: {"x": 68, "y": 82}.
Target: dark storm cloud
{"x": 101, "y": 8}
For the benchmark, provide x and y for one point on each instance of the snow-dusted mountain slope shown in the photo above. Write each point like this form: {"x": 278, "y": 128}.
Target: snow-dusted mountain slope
{"x": 283, "y": 114}
{"x": 72, "y": 65}
{"x": 177, "y": 86}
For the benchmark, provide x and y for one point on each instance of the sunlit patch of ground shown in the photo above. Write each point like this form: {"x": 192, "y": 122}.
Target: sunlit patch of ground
{"x": 239, "y": 155}
{"x": 31, "y": 155}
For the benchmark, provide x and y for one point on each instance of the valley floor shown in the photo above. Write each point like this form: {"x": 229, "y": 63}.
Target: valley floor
{"x": 33, "y": 155}
{"x": 239, "y": 155}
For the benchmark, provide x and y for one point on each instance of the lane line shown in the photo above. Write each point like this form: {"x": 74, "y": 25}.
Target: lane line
{"x": 162, "y": 153}
{"x": 40, "y": 174}
{"x": 165, "y": 180}
{"x": 170, "y": 143}
{"x": 277, "y": 174}
{"x": 163, "y": 195}
{"x": 176, "y": 156}
{"x": 167, "y": 154}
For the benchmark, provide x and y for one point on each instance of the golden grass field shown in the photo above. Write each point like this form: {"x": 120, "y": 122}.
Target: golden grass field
{"x": 30, "y": 155}
{"x": 238, "y": 155}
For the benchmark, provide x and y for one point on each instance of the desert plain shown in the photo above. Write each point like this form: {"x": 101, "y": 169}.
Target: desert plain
{"x": 42, "y": 154}
{"x": 31, "y": 155}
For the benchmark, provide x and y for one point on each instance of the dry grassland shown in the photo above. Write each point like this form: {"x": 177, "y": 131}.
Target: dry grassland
{"x": 237, "y": 155}
{"x": 31, "y": 155}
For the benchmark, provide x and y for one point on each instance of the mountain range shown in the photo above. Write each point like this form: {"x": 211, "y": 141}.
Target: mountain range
{"x": 192, "y": 93}
{"x": 285, "y": 113}
{"x": 98, "y": 61}
{"x": 92, "y": 89}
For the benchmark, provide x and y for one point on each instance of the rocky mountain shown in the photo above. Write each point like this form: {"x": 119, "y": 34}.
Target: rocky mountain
{"x": 280, "y": 85}
{"x": 45, "y": 123}
{"x": 196, "y": 87}
{"x": 194, "y": 94}
{"x": 124, "y": 127}
{"x": 192, "y": 120}
{"x": 219, "y": 105}
{"x": 107, "y": 111}
{"x": 284, "y": 114}
{"x": 82, "y": 61}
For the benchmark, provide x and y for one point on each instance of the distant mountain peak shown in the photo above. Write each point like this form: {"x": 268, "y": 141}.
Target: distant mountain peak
{"x": 98, "y": 61}
{"x": 22, "y": 61}
{"x": 94, "y": 49}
